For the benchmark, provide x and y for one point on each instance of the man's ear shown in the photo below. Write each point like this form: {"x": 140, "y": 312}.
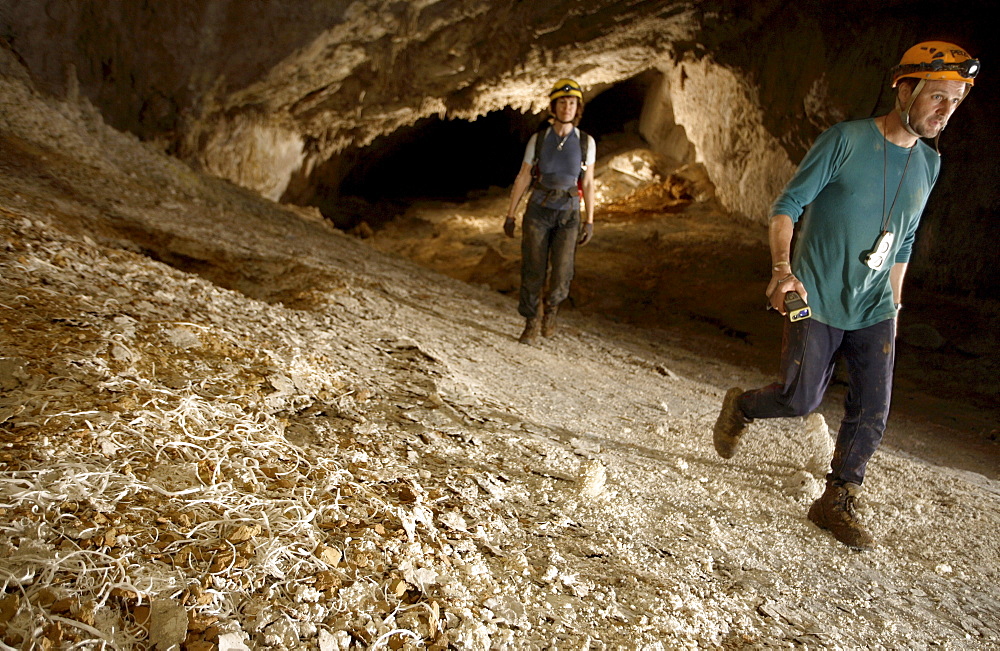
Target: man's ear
{"x": 903, "y": 92}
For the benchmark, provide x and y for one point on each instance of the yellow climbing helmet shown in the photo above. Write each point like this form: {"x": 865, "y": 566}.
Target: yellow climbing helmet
{"x": 565, "y": 88}
{"x": 936, "y": 60}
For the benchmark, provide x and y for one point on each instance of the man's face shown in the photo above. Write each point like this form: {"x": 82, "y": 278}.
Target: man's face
{"x": 935, "y": 103}
{"x": 566, "y": 108}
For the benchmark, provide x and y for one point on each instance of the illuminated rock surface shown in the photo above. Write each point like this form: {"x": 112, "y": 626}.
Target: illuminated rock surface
{"x": 214, "y": 402}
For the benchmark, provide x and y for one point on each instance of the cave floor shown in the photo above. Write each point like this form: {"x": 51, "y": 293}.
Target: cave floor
{"x": 686, "y": 273}
{"x": 226, "y": 424}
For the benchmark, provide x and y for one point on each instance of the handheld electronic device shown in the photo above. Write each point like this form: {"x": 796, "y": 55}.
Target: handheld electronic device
{"x": 795, "y": 307}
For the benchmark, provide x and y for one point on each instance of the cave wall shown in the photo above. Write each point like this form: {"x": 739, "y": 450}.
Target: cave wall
{"x": 265, "y": 93}
{"x": 658, "y": 123}
{"x": 226, "y": 76}
{"x": 811, "y": 64}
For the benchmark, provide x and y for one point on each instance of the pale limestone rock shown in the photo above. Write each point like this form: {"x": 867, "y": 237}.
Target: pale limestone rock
{"x": 593, "y": 479}
{"x": 168, "y": 623}
{"x": 232, "y": 642}
{"x": 818, "y": 440}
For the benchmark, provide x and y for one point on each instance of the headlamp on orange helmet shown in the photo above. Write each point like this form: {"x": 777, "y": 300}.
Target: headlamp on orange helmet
{"x": 936, "y": 60}
{"x": 932, "y": 61}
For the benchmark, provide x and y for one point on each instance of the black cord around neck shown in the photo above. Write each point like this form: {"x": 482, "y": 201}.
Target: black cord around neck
{"x": 885, "y": 167}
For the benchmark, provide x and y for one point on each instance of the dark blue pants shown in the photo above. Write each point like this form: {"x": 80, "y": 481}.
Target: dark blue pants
{"x": 808, "y": 353}
{"x": 546, "y": 236}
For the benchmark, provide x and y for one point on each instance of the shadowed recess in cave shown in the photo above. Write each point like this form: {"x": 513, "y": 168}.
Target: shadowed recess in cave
{"x": 452, "y": 160}
{"x": 617, "y": 109}
{"x": 441, "y": 159}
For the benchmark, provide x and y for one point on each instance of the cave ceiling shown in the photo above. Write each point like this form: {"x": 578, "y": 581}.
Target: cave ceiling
{"x": 263, "y": 93}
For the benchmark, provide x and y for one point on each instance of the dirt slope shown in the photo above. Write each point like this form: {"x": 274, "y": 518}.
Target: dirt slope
{"x": 285, "y": 439}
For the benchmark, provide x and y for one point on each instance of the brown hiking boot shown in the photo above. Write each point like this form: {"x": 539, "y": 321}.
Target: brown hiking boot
{"x": 834, "y": 511}
{"x": 531, "y": 328}
{"x": 549, "y": 320}
{"x": 730, "y": 425}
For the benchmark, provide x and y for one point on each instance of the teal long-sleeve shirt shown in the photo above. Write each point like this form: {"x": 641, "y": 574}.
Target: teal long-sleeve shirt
{"x": 836, "y": 198}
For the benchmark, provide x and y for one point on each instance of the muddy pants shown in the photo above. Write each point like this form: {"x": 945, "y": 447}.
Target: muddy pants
{"x": 547, "y": 235}
{"x": 808, "y": 353}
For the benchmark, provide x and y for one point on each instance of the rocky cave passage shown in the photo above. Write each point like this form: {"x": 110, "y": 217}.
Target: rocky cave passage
{"x": 284, "y": 438}
{"x": 454, "y": 159}
{"x": 265, "y": 98}
{"x": 337, "y": 106}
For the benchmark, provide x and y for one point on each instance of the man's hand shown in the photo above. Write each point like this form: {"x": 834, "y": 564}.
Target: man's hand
{"x": 782, "y": 282}
{"x": 508, "y": 226}
{"x": 779, "y": 238}
{"x": 586, "y": 233}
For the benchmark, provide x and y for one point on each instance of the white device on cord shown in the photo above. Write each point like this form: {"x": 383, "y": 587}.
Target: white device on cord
{"x": 877, "y": 256}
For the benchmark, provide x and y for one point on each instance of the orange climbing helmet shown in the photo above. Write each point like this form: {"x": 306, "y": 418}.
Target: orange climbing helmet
{"x": 932, "y": 61}
{"x": 936, "y": 60}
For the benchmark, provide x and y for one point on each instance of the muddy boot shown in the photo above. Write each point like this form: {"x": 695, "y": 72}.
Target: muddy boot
{"x": 549, "y": 320}
{"x": 730, "y": 425}
{"x": 834, "y": 511}
{"x": 532, "y": 326}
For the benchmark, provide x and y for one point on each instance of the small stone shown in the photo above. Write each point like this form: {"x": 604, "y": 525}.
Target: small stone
{"x": 593, "y": 479}
{"x": 232, "y": 642}
{"x": 12, "y": 372}
{"x": 168, "y": 624}
{"x": 802, "y": 484}
{"x": 9, "y": 412}
{"x": 817, "y": 433}
{"x": 183, "y": 338}
{"x": 585, "y": 445}
{"x": 8, "y": 607}
{"x": 399, "y": 587}
{"x": 120, "y": 353}
{"x": 329, "y": 555}
{"x": 454, "y": 520}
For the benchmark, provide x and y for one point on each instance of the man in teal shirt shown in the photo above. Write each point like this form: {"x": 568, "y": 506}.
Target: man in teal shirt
{"x": 857, "y": 198}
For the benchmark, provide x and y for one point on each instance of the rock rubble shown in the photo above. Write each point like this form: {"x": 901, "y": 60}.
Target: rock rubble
{"x": 288, "y": 440}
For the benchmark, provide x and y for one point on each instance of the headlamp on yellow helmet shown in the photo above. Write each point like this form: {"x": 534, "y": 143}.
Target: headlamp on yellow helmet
{"x": 565, "y": 88}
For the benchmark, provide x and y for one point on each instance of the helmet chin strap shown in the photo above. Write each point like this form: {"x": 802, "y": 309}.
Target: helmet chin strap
{"x": 904, "y": 111}
{"x": 555, "y": 118}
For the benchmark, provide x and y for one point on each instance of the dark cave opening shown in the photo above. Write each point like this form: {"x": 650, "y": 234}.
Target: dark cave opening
{"x": 453, "y": 160}
{"x": 441, "y": 159}
{"x": 617, "y": 110}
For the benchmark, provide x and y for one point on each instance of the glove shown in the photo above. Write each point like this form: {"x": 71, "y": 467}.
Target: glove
{"x": 508, "y": 226}
{"x": 586, "y": 233}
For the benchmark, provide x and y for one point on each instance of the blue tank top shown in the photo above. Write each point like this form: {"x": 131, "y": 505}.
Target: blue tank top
{"x": 560, "y": 170}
